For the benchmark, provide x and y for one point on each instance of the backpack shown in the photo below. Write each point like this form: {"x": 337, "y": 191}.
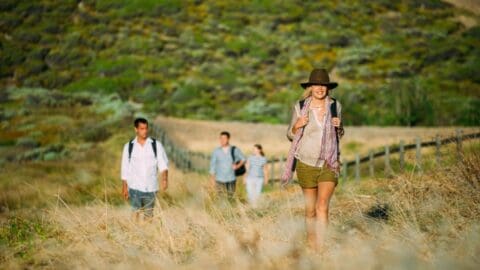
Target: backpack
{"x": 333, "y": 111}
{"x": 130, "y": 148}
{"x": 240, "y": 171}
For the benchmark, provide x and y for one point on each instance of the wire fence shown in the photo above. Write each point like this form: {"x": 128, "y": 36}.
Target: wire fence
{"x": 381, "y": 163}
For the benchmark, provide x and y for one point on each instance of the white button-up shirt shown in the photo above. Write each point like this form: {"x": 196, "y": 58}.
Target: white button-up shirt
{"x": 142, "y": 169}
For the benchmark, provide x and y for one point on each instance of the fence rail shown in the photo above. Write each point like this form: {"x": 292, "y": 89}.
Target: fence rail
{"x": 401, "y": 148}
{"x": 199, "y": 162}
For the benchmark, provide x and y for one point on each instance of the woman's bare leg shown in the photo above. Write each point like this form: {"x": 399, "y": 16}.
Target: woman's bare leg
{"x": 325, "y": 192}
{"x": 310, "y": 196}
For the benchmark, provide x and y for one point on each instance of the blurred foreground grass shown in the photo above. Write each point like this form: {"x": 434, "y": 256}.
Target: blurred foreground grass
{"x": 426, "y": 221}
{"x": 66, "y": 211}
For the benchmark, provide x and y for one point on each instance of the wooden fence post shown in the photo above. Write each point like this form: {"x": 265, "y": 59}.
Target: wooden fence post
{"x": 181, "y": 160}
{"x": 189, "y": 161}
{"x": 206, "y": 161}
{"x": 272, "y": 169}
{"x": 437, "y": 149}
{"x": 402, "y": 156}
{"x": 459, "y": 144}
{"x": 388, "y": 169}
{"x": 370, "y": 164}
{"x": 357, "y": 167}
{"x": 162, "y": 138}
{"x": 193, "y": 161}
{"x": 418, "y": 155}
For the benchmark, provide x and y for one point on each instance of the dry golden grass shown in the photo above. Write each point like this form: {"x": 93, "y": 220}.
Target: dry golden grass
{"x": 432, "y": 222}
{"x": 472, "y": 6}
{"x": 68, "y": 214}
{"x": 202, "y": 136}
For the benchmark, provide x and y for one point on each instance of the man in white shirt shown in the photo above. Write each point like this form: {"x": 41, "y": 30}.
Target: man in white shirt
{"x": 142, "y": 159}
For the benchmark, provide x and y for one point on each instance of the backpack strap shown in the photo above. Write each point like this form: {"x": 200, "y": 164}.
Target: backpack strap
{"x": 301, "y": 103}
{"x": 154, "y": 146}
{"x": 232, "y": 152}
{"x": 130, "y": 149}
{"x": 333, "y": 110}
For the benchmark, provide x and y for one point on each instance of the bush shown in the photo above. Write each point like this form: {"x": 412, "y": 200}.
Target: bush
{"x": 95, "y": 84}
{"x": 97, "y": 133}
{"x": 55, "y": 150}
{"x": 27, "y": 142}
{"x": 258, "y": 110}
{"x": 149, "y": 7}
{"x": 63, "y": 58}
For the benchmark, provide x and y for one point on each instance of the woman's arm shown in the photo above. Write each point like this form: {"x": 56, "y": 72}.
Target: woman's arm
{"x": 247, "y": 168}
{"x": 293, "y": 127}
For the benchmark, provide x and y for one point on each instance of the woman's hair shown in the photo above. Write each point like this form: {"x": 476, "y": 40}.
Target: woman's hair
{"x": 308, "y": 92}
{"x": 260, "y": 148}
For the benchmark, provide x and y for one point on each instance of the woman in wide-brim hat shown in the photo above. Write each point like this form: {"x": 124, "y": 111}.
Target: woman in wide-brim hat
{"x": 315, "y": 131}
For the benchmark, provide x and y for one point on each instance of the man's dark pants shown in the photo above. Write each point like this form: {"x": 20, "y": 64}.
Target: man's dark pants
{"x": 142, "y": 201}
{"x": 228, "y": 188}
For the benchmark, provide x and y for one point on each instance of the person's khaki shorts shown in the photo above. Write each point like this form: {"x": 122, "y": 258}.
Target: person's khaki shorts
{"x": 309, "y": 176}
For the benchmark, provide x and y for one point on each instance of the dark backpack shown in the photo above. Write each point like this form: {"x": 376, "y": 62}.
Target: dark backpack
{"x": 130, "y": 148}
{"x": 333, "y": 110}
{"x": 240, "y": 171}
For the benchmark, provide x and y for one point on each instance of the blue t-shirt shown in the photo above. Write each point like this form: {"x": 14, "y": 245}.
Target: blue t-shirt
{"x": 256, "y": 165}
{"x": 221, "y": 164}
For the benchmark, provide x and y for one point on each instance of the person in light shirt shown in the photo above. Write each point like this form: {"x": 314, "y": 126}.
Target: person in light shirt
{"x": 315, "y": 131}
{"x": 225, "y": 160}
{"x": 142, "y": 160}
{"x": 257, "y": 174}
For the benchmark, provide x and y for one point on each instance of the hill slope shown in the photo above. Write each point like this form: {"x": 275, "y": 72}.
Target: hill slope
{"x": 404, "y": 63}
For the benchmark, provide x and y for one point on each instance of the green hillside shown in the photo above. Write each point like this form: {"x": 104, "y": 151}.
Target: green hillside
{"x": 405, "y": 62}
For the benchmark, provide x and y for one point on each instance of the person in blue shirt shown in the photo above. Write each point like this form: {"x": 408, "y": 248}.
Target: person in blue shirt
{"x": 222, "y": 166}
{"x": 257, "y": 174}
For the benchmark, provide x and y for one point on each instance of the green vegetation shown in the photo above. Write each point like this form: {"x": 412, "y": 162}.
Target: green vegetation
{"x": 21, "y": 235}
{"x": 399, "y": 63}
{"x": 59, "y": 144}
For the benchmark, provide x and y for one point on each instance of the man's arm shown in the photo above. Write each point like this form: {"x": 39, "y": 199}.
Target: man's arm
{"x": 125, "y": 189}
{"x": 124, "y": 172}
{"x": 213, "y": 161}
{"x": 239, "y": 156}
{"x": 164, "y": 180}
{"x": 162, "y": 163}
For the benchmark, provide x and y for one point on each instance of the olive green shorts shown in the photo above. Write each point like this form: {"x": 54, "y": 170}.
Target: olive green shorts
{"x": 309, "y": 176}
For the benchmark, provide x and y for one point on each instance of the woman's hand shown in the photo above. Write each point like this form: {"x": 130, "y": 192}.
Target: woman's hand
{"x": 336, "y": 122}
{"x": 301, "y": 122}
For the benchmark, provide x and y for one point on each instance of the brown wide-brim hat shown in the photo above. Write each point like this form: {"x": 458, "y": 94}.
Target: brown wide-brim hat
{"x": 319, "y": 76}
